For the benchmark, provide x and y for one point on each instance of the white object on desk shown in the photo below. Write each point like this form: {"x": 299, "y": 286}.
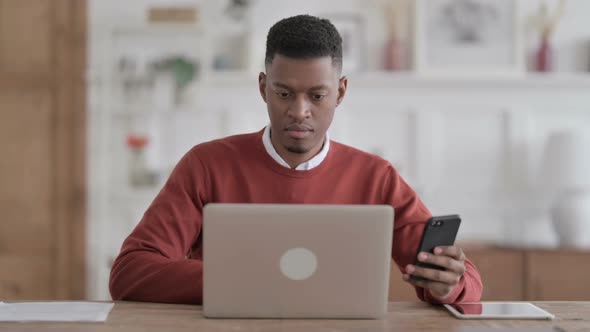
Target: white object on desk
{"x": 55, "y": 311}
{"x": 497, "y": 310}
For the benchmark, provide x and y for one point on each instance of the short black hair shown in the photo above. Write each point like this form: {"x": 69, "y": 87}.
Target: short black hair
{"x": 304, "y": 37}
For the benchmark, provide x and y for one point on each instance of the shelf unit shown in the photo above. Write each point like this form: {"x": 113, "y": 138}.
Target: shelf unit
{"x": 112, "y": 200}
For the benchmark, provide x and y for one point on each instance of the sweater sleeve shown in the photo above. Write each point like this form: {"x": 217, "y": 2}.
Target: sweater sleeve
{"x": 153, "y": 265}
{"x": 410, "y": 220}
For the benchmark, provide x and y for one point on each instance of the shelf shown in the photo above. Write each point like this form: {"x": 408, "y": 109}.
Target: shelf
{"x": 128, "y": 194}
{"x": 125, "y": 111}
{"x": 415, "y": 80}
{"x": 225, "y": 78}
{"x": 382, "y": 80}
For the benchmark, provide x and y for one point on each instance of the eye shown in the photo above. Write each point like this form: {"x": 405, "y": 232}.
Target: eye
{"x": 283, "y": 95}
{"x": 318, "y": 97}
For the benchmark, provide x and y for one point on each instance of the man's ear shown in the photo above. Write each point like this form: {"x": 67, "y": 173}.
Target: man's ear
{"x": 262, "y": 85}
{"x": 342, "y": 86}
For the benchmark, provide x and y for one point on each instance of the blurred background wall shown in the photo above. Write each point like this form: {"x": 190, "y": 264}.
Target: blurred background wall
{"x": 482, "y": 105}
{"x": 470, "y": 140}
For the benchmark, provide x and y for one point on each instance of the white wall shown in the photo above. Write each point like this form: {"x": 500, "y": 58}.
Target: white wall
{"x": 468, "y": 147}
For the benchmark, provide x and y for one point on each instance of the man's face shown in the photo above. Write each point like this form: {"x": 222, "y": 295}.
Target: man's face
{"x": 301, "y": 97}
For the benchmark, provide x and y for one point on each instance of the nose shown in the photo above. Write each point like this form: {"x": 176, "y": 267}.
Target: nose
{"x": 300, "y": 108}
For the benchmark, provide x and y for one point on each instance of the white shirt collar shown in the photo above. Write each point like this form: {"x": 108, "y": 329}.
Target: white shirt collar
{"x": 306, "y": 166}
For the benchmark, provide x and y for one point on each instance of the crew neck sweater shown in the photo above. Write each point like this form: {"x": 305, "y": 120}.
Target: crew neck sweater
{"x": 161, "y": 260}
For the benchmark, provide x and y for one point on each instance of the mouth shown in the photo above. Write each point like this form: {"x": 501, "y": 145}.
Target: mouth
{"x": 298, "y": 131}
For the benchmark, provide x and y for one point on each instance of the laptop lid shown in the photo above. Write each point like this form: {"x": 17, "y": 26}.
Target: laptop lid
{"x": 296, "y": 261}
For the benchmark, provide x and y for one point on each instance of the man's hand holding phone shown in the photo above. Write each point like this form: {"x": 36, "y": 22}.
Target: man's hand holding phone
{"x": 439, "y": 264}
{"x": 440, "y": 283}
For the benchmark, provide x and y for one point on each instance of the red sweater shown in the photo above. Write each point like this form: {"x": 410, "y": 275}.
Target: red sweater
{"x": 161, "y": 260}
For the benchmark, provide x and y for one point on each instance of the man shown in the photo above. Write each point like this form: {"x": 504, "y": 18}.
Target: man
{"x": 290, "y": 161}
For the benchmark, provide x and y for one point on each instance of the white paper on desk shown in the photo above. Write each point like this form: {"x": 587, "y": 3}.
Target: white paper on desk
{"x": 55, "y": 311}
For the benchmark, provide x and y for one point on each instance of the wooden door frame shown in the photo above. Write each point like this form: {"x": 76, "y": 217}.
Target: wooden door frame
{"x": 70, "y": 186}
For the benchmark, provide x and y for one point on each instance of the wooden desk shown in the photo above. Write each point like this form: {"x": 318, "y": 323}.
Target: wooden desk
{"x": 403, "y": 316}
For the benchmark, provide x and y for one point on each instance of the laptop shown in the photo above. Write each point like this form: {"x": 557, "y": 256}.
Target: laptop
{"x": 296, "y": 261}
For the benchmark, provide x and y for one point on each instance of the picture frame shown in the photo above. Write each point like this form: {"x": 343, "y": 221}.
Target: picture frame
{"x": 468, "y": 38}
{"x": 354, "y": 40}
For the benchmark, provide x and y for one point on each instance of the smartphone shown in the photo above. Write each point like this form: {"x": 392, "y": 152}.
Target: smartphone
{"x": 439, "y": 231}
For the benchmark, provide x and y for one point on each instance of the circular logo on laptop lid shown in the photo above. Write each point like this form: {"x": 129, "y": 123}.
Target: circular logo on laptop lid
{"x": 298, "y": 263}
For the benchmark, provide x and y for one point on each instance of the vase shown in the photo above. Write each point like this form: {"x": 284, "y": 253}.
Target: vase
{"x": 571, "y": 219}
{"x": 394, "y": 55}
{"x": 544, "y": 56}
